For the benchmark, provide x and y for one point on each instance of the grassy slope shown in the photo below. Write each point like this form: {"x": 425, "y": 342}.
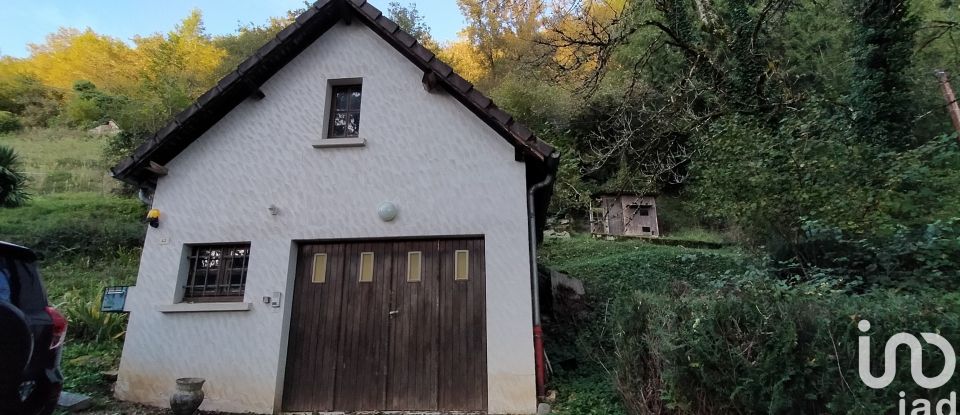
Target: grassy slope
{"x": 609, "y": 269}
{"x": 61, "y": 160}
{"x": 67, "y": 225}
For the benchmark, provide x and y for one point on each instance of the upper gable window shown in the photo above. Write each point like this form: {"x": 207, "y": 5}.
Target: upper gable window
{"x": 345, "y": 111}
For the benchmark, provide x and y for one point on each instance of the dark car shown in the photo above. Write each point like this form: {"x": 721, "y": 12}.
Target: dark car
{"x": 31, "y": 337}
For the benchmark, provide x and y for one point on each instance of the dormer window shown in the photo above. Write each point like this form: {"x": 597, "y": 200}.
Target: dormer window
{"x": 345, "y": 112}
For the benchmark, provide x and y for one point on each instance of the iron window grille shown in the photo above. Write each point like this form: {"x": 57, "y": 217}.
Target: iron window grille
{"x": 345, "y": 112}
{"x": 217, "y": 273}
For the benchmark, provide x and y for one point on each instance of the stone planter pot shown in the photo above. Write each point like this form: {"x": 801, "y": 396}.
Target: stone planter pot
{"x": 188, "y": 396}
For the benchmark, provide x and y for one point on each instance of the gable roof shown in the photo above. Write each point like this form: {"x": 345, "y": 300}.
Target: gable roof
{"x": 140, "y": 168}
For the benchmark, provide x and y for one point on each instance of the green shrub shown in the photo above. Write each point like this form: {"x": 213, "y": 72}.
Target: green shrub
{"x": 593, "y": 394}
{"x": 9, "y": 122}
{"x": 75, "y": 225}
{"x": 911, "y": 258}
{"x": 755, "y": 346}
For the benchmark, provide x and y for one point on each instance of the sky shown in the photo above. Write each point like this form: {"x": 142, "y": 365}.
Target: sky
{"x": 29, "y": 21}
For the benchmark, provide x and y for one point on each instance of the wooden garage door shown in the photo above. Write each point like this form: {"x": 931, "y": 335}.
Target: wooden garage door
{"x": 388, "y": 325}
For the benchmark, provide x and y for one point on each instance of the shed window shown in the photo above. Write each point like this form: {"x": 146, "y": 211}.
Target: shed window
{"x": 344, "y": 111}
{"x": 217, "y": 273}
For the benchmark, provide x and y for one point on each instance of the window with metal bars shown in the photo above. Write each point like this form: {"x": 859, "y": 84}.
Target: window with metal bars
{"x": 217, "y": 273}
{"x": 345, "y": 112}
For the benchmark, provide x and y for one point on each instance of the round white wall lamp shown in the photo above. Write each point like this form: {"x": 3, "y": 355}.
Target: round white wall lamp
{"x": 387, "y": 211}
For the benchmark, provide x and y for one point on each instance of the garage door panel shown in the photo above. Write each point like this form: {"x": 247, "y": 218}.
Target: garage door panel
{"x": 412, "y": 374}
{"x": 463, "y": 377}
{"x": 362, "y": 367}
{"x": 314, "y": 334}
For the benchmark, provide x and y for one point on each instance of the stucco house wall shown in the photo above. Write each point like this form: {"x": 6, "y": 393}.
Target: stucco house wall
{"x": 448, "y": 172}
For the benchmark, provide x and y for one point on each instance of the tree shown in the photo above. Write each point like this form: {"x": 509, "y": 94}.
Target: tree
{"x": 248, "y": 38}
{"x": 70, "y": 54}
{"x": 174, "y": 69}
{"x": 13, "y": 182}
{"x": 880, "y": 91}
{"x": 411, "y": 21}
{"x": 499, "y": 33}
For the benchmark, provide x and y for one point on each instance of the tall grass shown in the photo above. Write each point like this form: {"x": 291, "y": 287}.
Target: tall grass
{"x": 75, "y": 225}
{"x": 61, "y": 160}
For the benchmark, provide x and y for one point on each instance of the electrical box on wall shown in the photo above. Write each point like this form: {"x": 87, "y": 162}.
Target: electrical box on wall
{"x": 273, "y": 300}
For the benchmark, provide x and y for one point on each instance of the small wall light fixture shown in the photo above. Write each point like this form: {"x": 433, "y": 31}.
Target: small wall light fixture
{"x": 387, "y": 211}
{"x": 153, "y": 217}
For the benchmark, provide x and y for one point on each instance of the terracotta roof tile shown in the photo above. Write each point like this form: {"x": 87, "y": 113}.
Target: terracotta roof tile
{"x": 479, "y": 99}
{"x": 441, "y": 68}
{"x": 249, "y": 63}
{"x": 288, "y": 31}
{"x": 404, "y": 38}
{"x": 308, "y": 14}
{"x": 460, "y": 84}
{"x": 421, "y": 53}
{"x": 268, "y": 47}
{"x": 228, "y": 80}
{"x": 388, "y": 24}
{"x": 500, "y": 115}
{"x": 521, "y": 131}
{"x": 371, "y": 11}
{"x": 187, "y": 113}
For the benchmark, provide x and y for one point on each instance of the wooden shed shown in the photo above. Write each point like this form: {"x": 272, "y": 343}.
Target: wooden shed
{"x": 630, "y": 214}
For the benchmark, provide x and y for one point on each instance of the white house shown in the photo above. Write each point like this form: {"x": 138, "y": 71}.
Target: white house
{"x": 310, "y": 259}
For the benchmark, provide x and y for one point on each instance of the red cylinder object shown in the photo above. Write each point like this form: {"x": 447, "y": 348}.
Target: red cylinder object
{"x": 541, "y": 370}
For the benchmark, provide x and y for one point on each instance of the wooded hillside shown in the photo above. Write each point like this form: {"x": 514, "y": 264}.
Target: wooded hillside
{"x": 812, "y": 134}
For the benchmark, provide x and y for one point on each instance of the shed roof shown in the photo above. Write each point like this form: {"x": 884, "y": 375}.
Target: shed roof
{"x": 161, "y": 147}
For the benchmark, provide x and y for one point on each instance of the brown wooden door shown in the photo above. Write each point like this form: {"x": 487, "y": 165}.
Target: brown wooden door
{"x": 614, "y": 215}
{"x": 397, "y": 338}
